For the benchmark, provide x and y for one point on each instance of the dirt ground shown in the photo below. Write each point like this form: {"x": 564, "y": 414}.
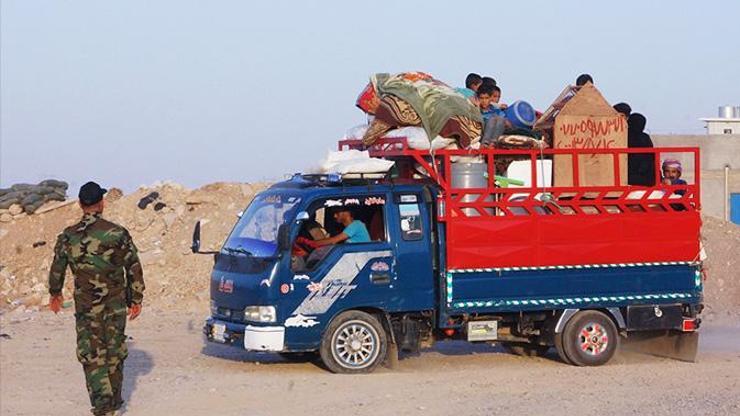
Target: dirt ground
{"x": 171, "y": 371}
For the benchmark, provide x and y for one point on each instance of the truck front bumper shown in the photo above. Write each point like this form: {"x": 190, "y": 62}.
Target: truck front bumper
{"x": 249, "y": 337}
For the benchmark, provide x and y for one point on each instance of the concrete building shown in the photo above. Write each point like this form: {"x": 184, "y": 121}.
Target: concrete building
{"x": 717, "y": 151}
{"x": 727, "y": 122}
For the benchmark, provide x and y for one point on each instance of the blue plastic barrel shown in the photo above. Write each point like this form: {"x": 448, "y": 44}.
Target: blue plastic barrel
{"x": 735, "y": 208}
{"x": 521, "y": 114}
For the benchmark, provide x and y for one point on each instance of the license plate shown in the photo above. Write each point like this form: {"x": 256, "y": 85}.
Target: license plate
{"x": 218, "y": 332}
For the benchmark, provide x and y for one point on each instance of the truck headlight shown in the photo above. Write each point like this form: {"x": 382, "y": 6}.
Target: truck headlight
{"x": 260, "y": 314}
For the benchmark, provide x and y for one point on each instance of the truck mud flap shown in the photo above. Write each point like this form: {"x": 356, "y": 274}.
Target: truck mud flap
{"x": 682, "y": 346}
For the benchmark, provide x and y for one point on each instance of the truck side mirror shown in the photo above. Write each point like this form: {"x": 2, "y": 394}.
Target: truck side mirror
{"x": 283, "y": 237}
{"x": 195, "y": 247}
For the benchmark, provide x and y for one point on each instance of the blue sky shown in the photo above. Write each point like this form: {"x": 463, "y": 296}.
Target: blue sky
{"x": 131, "y": 92}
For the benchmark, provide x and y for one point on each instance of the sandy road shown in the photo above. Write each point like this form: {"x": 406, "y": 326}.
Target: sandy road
{"x": 171, "y": 371}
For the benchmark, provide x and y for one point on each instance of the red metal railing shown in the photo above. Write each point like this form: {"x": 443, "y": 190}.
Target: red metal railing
{"x": 532, "y": 200}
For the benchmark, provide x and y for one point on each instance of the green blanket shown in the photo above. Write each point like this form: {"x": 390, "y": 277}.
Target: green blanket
{"x": 433, "y": 100}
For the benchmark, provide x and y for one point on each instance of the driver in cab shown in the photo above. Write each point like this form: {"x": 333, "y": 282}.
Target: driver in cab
{"x": 354, "y": 231}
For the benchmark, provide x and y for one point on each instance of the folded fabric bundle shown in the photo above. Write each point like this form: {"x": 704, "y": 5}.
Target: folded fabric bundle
{"x": 516, "y": 141}
{"x": 417, "y": 99}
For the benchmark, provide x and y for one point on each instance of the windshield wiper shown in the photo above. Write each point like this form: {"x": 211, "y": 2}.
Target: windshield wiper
{"x": 239, "y": 250}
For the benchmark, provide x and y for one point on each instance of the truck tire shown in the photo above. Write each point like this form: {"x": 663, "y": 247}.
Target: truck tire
{"x": 558, "y": 341}
{"x": 590, "y": 338}
{"x": 354, "y": 343}
{"x": 526, "y": 350}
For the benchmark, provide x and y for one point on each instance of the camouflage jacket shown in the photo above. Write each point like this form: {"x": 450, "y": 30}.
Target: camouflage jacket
{"x": 104, "y": 261}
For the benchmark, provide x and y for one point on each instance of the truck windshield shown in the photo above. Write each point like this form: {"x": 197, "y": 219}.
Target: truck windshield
{"x": 256, "y": 232}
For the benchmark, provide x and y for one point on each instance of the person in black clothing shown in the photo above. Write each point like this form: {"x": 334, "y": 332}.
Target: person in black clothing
{"x": 623, "y": 108}
{"x": 583, "y": 79}
{"x": 640, "y": 167}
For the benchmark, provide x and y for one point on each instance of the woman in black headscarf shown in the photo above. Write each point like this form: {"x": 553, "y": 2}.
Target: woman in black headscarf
{"x": 640, "y": 167}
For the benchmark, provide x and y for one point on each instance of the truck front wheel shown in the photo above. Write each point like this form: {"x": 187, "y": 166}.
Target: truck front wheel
{"x": 589, "y": 338}
{"x": 354, "y": 342}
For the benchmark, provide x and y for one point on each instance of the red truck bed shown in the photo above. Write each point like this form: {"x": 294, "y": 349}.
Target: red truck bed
{"x": 496, "y": 227}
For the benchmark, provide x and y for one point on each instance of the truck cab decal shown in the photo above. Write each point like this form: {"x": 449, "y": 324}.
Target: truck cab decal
{"x": 337, "y": 283}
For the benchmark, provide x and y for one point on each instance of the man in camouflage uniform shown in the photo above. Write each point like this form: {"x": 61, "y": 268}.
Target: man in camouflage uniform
{"x": 108, "y": 278}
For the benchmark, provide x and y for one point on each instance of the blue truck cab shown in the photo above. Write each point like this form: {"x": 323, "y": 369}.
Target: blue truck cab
{"x": 356, "y": 303}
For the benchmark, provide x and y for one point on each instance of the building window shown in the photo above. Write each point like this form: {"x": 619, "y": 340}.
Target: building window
{"x": 728, "y": 131}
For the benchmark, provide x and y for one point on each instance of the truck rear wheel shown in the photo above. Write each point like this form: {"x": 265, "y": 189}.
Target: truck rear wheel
{"x": 560, "y": 349}
{"x": 354, "y": 342}
{"x": 589, "y": 338}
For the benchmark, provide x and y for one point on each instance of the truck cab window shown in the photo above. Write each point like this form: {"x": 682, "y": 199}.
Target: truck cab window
{"x": 410, "y": 222}
{"x": 335, "y": 221}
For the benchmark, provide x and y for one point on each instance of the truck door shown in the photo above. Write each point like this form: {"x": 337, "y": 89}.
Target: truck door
{"x": 350, "y": 274}
{"x": 410, "y": 223}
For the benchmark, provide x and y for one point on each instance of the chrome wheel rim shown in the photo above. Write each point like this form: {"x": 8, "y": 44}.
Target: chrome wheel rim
{"x": 593, "y": 339}
{"x": 355, "y": 344}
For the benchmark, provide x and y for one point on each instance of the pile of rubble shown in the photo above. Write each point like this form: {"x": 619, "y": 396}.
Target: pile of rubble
{"x": 160, "y": 218}
{"x": 24, "y": 199}
{"x": 722, "y": 285}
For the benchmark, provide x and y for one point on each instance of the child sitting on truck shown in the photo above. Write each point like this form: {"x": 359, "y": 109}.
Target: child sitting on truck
{"x": 472, "y": 82}
{"x": 494, "y": 120}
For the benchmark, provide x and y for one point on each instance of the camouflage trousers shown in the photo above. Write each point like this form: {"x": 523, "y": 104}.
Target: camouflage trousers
{"x": 101, "y": 349}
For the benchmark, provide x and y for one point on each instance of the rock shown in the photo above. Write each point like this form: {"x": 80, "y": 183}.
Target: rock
{"x": 6, "y": 217}
{"x": 114, "y": 194}
{"x": 22, "y": 187}
{"x": 151, "y": 257}
{"x": 180, "y": 210}
{"x": 54, "y": 196}
{"x": 199, "y": 197}
{"x": 31, "y": 199}
{"x": 43, "y": 190}
{"x": 31, "y": 208}
{"x": 15, "y": 209}
{"x": 33, "y": 299}
{"x": 169, "y": 219}
{"x": 10, "y": 198}
{"x": 19, "y": 216}
{"x": 55, "y": 184}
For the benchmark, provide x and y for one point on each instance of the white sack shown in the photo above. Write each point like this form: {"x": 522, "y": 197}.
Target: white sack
{"x": 417, "y": 138}
{"x": 354, "y": 161}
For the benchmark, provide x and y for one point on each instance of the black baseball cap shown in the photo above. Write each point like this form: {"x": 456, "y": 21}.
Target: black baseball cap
{"x": 91, "y": 193}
